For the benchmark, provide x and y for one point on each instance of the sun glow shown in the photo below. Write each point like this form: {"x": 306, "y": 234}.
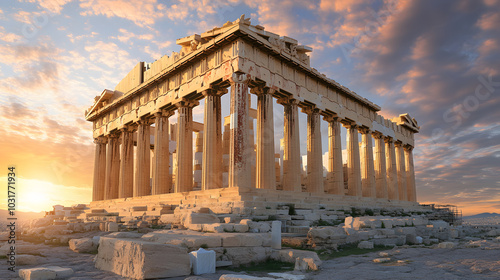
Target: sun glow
{"x": 35, "y": 195}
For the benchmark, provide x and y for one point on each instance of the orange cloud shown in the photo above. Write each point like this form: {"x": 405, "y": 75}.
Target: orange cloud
{"x": 143, "y": 14}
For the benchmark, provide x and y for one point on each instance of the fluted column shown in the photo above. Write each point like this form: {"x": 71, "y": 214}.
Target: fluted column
{"x": 291, "y": 156}
{"x": 184, "y": 175}
{"x": 367, "y": 170}
{"x": 265, "y": 167}
{"x": 142, "y": 165}
{"x": 112, "y": 167}
{"x": 212, "y": 141}
{"x": 390, "y": 162}
{"x": 335, "y": 178}
{"x": 99, "y": 168}
{"x": 410, "y": 174}
{"x": 380, "y": 167}
{"x": 240, "y": 152}
{"x": 161, "y": 179}
{"x": 401, "y": 169}
{"x": 126, "y": 181}
{"x": 314, "y": 153}
{"x": 353, "y": 161}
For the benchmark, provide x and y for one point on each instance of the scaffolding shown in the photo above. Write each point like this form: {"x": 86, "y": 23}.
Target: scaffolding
{"x": 448, "y": 213}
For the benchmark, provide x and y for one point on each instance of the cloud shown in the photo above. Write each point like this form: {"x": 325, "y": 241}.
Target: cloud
{"x": 53, "y": 6}
{"x": 143, "y": 14}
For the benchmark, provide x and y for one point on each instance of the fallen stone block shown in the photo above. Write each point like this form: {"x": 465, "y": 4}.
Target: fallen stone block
{"x": 287, "y": 276}
{"x": 61, "y": 272}
{"x": 241, "y": 239}
{"x": 140, "y": 259}
{"x": 83, "y": 245}
{"x": 246, "y": 255}
{"x": 38, "y": 273}
{"x": 291, "y": 256}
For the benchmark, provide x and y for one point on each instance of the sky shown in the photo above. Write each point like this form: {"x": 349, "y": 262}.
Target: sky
{"x": 436, "y": 60}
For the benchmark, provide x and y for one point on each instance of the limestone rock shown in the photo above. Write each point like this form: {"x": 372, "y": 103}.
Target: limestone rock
{"x": 242, "y": 239}
{"x": 246, "y": 255}
{"x": 112, "y": 226}
{"x": 305, "y": 257}
{"x": 140, "y": 259}
{"x": 38, "y": 273}
{"x": 82, "y": 245}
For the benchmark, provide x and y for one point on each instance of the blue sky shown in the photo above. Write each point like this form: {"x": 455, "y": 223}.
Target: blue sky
{"x": 437, "y": 60}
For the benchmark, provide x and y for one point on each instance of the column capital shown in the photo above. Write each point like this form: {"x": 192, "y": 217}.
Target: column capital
{"x": 388, "y": 139}
{"x": 240, "y": 78}
{"x": 349, "y": 124}
{"x": 183, "y": 102}
{"x": 331, "y": 118}
{"x": 261, "y": 90}
{"x": 288, "y": 101}
{"x": 128, "y": 128}
{"x": 398, "y": 143}
{"x": 377, "y": 135}
{"x": 113, "y": 134}
{"x": 101, "y": 140}
{"x": 164, "y": 113}
{"x": 213, "y": 90}
{"x": 364, "y": 130}
{"x": 145, "y": 121}
{"x": 310, "y": 110}
{"x": 408, "y": 147}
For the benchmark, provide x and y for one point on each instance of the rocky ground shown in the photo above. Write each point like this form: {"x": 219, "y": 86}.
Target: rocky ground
{"x": 470, "y": 259}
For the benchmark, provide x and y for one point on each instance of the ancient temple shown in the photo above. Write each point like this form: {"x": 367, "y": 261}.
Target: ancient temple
{"x": 142, "y": 159}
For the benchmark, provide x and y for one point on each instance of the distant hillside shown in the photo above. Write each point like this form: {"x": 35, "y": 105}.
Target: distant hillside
{"x": 483, "y": 215}
{"x": 21, "y": 215}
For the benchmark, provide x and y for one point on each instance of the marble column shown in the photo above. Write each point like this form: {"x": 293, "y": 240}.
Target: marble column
{"x": 335, "y": 179}
{"x": 265, "y": 166}
{"x": 112, "y": 167}
{"x": 99, "y": 168}
{"x": 211, "y": 177}
{"x": 240, "y": 152}
{"x": 161, "y": 178}
{"x": 410, "y": 174}
{"x": 390, "y": 162}
{"x": 401, "y": 170}
{"x": 142, "y": 185}
{"x": 126, "y": 181}
{"x": 314, "y": 152}
{"x": 367, "y": 169}
{"x": 184, "y": 175}
{"x": 380, "y": 167}
{"x": 353, "y": 161}
{"x": 291, "y": 154}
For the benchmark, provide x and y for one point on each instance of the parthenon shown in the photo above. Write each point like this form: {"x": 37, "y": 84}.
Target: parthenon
{"x": 141, "y": 157}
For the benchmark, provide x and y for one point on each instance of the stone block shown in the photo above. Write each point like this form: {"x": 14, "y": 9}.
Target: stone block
{"x": 241, "y": 239}
{"x": 140, "y": 259}
{"x": 365, "y": 245}
{"x": 112, "y": 226}
{"x": 38, "y": 273}
{"x": 217, "y": 227}
{"x": 61, "y": 272}
{"x": 82, "y": 245}
{"x": 240, "y": 228}
{"x": 203, "y": 261}
{"x": 200, "y": 218}
{"x": 382, "y": 260}
{"x": 439, "y": 224}
{"x": 246, "y": 255}
{"x": 302, "y": 259}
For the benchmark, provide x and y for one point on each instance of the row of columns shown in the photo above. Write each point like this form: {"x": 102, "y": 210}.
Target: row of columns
{"x": 389, "y": 175}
